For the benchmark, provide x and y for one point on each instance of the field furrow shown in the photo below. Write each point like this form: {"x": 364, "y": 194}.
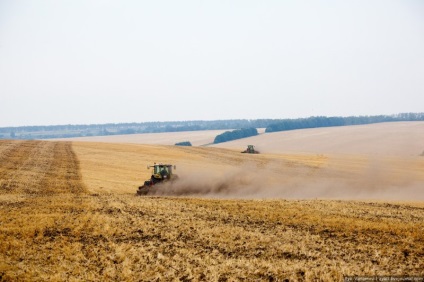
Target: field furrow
{"x": 6, "y": 146}
{"x": 41, "y": 190}
{"x": 26, "y": 175}
{"x": 15, "y": 160}
{"x": 64, "y": 177}
{"x": 35, "y": 167}
{"x": 12, "y": 156}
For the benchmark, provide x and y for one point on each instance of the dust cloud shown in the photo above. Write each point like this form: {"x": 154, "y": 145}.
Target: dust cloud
{"x": 375, "y": 181}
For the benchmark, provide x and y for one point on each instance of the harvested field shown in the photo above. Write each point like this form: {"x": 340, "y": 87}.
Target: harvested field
{"x": 68, "y": 213}
{"x": 37, "y": 167}
{"x": 196, "y": 138}
{"x": 400, "y": 139}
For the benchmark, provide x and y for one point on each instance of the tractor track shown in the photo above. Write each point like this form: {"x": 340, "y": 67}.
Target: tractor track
{"x": 66, "y": 176}
{"x": 12, "y": 155}
{"x": 6, "y": 146}
{"x": 39, "y": 167}
{"x": 14, "y": 160}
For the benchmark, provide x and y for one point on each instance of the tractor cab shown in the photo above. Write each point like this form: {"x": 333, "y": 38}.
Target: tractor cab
{"x": 161, "y": 171}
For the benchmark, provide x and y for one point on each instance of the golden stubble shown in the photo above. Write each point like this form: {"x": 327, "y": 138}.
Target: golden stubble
{"x": 99, "y": 229}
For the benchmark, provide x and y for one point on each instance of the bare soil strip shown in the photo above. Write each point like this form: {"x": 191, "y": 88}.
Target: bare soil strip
{"x": 36, "y": 167}
{"x": 12, "y": 157}
{"x": 64, "y": 176}
{"x": 40, "y": 190}
{"x": 6, "y": 146}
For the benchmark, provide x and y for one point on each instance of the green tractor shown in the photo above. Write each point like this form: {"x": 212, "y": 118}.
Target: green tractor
{"x": 161, "y": 173}
{"x": 250, "y": 150}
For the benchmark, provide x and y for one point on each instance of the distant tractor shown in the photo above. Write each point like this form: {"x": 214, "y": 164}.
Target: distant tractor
{"x": 250, "y": 150}
{"x": 161, "y": 173}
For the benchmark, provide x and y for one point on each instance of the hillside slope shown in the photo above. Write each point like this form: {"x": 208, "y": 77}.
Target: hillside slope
{"x": 197, "y": 138}
{"x": 383, "y": 139}
{"x": 224, "y": 173}
{"x": 403, "y": 139}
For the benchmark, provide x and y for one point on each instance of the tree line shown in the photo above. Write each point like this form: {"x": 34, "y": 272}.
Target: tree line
{"x": 184, "y": 143}
{"x": 321, "y": 121}
{"x": 86, "y": 130}
{"x": 271, "y": 125}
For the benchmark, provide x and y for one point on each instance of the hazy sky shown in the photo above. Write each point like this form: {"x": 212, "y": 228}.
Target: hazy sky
{"x": 79, "y": 61}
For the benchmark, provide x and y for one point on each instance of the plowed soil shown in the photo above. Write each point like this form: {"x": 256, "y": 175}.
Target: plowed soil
{"x": 68, "y": 212}
{"x": 37, "y": 167}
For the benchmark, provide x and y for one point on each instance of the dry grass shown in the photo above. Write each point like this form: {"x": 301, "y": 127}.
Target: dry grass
{"x": 57, "y": 228}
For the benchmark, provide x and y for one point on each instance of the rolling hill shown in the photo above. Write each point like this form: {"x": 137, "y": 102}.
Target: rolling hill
{"x": 402, "y": 139}
{"x": 384, "y": 139}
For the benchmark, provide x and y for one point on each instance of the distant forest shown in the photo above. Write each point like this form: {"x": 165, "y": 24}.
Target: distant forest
{"x": 67, "y": 131}
{"x": 271, "y": 125}
{"x": 313, "y": 122}
{"x": 235, "y": 134}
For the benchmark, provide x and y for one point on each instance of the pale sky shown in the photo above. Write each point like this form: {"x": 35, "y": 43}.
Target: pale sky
{"x": 85, "y": 62}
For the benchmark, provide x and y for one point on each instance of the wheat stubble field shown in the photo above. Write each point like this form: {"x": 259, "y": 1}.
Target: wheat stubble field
{"x": 68, "y": 213}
